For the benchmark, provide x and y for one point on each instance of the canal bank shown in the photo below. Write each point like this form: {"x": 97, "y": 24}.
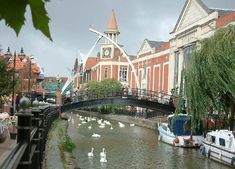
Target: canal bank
{"x": 55, "y": 157}
{"x": 141, "y": 122}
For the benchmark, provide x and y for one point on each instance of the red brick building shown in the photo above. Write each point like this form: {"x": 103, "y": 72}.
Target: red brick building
{"x": 158, "y": 64}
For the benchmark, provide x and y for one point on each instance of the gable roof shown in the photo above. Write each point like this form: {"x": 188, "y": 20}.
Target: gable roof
{"x": 221, "y": 12}
{"x": 204, "y": 7}
{"x": 91, "y": 61}
{"x": 155, "y": 44}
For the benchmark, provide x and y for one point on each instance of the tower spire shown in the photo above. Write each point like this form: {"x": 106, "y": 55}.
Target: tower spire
{"x": 112, "y": 26}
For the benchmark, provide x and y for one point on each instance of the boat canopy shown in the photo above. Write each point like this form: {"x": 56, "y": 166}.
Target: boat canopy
{"x": 180, "y": 125}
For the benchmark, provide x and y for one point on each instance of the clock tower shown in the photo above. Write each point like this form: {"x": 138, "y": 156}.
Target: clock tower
{"x": 108, "y": 50}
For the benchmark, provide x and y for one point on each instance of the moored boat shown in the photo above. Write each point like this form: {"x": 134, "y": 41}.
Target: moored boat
{"x": 177, "y": 132}
{"x": 219, "y": 145}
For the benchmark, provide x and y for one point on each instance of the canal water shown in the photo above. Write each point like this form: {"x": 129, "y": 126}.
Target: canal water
{"x": 132, "y": 148}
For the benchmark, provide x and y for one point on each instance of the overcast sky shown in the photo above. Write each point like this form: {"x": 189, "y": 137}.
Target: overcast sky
{"x": 70, "y": 20}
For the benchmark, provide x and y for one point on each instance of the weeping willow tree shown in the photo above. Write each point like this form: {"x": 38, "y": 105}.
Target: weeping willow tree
{"x": 209, "y": 80}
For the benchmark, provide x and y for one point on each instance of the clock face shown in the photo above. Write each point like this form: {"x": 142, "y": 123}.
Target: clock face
{"x": 106, "y": 52}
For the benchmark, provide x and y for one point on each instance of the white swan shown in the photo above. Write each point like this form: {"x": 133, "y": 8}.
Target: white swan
{"x": 132, "y": 125}
{"x": 111, "y": 128}
{"x": 95, "y": 135}
{"x": 102, "y": 125}
{"x": 103, "y": 156}
{"x": 103, "y": 153}
{"x": 107, "y": 122}
{"x": 90, "y": 154}
{"x": 121, "y": 125}
{"x": 103, "y": 160}
{"x": 89, "y": 127}
{"x": 83, "y": 122}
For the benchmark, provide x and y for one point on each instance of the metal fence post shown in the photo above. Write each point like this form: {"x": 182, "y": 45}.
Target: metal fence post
{"x": 42, "y": 135}
{"x": 36, "y": 139}
{"x": 24, "y": 132}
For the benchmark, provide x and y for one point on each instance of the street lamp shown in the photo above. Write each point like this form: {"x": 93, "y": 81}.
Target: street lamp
{"x": 58, "y": 79}
{"x": 30, "y": 70}
{"x": 13, "y": 86}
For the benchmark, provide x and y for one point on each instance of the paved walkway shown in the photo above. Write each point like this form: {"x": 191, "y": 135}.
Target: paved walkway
{"x": 6, "y": 148}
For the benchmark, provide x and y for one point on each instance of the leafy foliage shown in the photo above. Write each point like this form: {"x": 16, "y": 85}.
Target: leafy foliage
{"x": 6, "y": 84}
{"x": 210, "y": 78}
{"x": 108, "y": 84}
{"x": 13, "y": 11}
{"x": 67, "y": 145}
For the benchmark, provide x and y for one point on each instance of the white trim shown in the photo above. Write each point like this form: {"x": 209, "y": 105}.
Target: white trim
{"x": 131, "y": 80}
{"x": 109, "y": 63}
{"x": 210, "y": 17}
{"x": 147, "y": 80}
{"x": 163, "y": 72}
{"x": 155, "y": 66}
{"x": 100, "y": 73}
{"x": 147, "y": 57}
{"x": 141, "y": 77}
{"x": 111, "y": 73}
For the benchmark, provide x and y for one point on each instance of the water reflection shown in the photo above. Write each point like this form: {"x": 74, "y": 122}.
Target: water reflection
{"x": 132, "y": 148}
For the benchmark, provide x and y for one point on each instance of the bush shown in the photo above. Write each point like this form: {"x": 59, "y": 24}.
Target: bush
{"x": 67, "y": 145}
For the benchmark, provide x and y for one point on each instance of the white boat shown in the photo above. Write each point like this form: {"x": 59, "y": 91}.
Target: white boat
{"x": 177, "y": 132}
{"x": 219, "y": 145}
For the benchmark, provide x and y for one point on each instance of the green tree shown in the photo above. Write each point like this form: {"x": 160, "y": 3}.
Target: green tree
{"x": 209, "y": 81}
{"x": 13, "y": 12}
{"x": 94, "y": 88}
{"x": 6, "y": 84}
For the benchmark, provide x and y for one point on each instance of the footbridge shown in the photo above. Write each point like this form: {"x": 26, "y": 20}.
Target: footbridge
{"x": 158, "y": 101}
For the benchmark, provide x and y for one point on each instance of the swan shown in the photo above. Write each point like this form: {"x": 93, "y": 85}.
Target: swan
{"x": 103, "y": 160}
{"x": 102, "y": 125}
{"x": 83, "y": 122}
{"x": 93, "y": 119}
{"x": 121, "y": 125}
{"x": 89, "y": 127}
{"x": 95, "y": 135}
{"x": 111, "y": 128}
{"x": 107, "y": 122}
{"x": 103, "y": 153}
{"x": 132, "y": 125}
{"x": 90, "y": 154}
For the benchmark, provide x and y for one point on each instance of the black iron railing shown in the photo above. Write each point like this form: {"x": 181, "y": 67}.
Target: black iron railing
{"x": 140, "y": 94}
{"x": 32, "y": 131}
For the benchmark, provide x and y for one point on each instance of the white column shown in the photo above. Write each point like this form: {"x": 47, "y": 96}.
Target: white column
{"x": 100, "y": 73}
{"x": 111, "y": 70}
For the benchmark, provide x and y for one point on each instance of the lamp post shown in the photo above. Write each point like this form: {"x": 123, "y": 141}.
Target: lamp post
{"x": 30, "y": 74}
{"x": 13, "y": 86}
{"x": 58, "y": 79}
{"x": 58, "y": 92}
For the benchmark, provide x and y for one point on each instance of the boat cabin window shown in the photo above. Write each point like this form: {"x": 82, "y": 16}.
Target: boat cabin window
{"x": 222, "y": 142}
{"x": 213, "y": 139}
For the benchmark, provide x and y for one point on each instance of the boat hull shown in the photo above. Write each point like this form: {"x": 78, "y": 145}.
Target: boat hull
{"x": 166, "y": 136}
{"x": 218, "y": 154}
